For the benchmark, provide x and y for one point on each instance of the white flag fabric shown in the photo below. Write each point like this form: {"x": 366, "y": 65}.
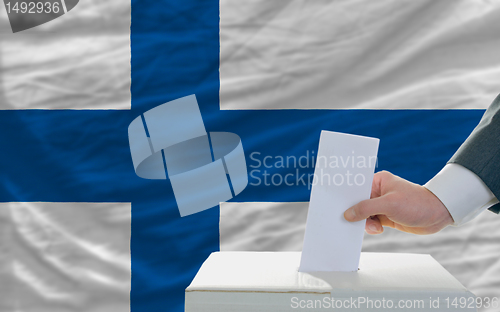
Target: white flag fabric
{"x": 80, "y": 60}
{"x": 299, "y": 54}
{"x": 65, "y": 256}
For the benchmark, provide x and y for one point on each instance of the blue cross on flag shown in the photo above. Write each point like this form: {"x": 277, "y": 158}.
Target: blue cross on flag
{"x": 80, "y": 231}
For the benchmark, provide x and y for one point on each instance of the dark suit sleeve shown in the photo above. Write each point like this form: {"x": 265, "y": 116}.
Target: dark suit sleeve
{"x": 480, "y": 153}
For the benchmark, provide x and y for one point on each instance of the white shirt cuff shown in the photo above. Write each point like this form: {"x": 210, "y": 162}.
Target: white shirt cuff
{"x": 462, "y": 192}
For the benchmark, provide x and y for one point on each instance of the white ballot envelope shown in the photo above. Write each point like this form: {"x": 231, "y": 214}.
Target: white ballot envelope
{"x": 343, "y": 176}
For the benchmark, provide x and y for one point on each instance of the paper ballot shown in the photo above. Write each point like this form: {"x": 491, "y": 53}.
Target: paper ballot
{"x": 343, "y": 176}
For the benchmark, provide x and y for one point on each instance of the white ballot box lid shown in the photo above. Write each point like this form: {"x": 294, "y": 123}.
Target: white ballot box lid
{"x": 270, "y": 281}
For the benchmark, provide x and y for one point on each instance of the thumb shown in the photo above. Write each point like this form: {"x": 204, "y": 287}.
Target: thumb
{"x": 367, "y": 208}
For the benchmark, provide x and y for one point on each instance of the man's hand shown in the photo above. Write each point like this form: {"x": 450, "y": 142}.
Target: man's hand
{"x": 400, "y": 204}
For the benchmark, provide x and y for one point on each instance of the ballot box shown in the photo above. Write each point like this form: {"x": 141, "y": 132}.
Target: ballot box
{"x": 271, "y": 282}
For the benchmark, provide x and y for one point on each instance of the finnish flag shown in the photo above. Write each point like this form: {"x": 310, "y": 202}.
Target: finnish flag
{"x": 80, "y": 231}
